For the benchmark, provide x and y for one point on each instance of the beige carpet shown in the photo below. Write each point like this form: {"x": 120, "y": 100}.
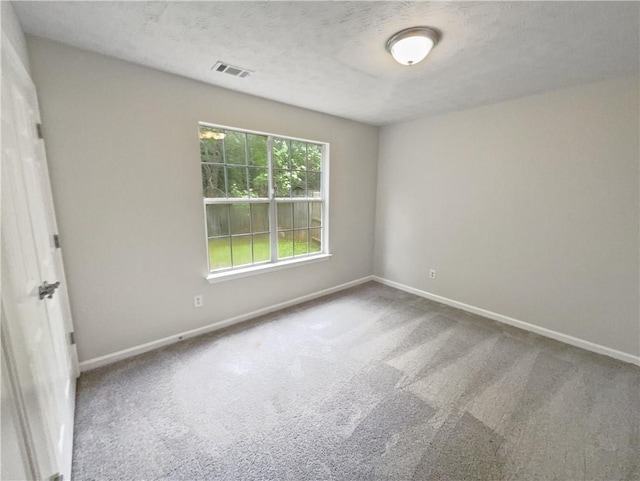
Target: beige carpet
{"x": 368, "y": 384}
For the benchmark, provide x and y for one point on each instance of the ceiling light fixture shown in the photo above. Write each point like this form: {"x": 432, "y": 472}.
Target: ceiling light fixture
{"x": 411, "y": 45}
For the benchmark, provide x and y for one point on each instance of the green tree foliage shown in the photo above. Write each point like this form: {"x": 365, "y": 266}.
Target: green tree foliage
{"x": 296, "y": 168}
{"x": 234, "y": 164}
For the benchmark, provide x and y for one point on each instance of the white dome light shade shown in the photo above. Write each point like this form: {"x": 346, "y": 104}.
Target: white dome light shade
{"x": 411, "y": 50}
{"x": 412, "y": 45}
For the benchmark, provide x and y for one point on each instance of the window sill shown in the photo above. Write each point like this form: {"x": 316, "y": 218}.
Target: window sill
{"x": 253, "y": 270}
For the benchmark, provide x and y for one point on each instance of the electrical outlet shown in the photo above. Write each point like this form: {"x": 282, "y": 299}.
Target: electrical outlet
{"x": 432, "y": 273}
{"x": 197, "y": 301}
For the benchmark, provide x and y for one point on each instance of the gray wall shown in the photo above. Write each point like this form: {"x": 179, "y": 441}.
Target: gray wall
{"x": 124, "y": 159}
{"x": 527, "y": 208}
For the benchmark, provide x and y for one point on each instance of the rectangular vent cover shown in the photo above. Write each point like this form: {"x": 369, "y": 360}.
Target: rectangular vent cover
{"x": 223, "y": 67}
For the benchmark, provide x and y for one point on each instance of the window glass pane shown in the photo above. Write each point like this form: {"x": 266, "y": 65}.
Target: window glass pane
{"x": 237, "y": 178}
{"x": 281, "y": 149}
{"x": 300, "y": 245}
{"x": 240, "y": 219}
{"x": 298, "y": 183}
{"x": 298, "y": 155}
{"x": 301, "y": 215}
{"x": 282, "y": 183}
{"x": 285, "y": 244}
{"x": 314, "y": 180}
{"x": 211, "y": 145}
{"x": 261, "y": 248}
{"x": 219, "y": 253}
{"x": 234, "y": 147}
{"x": 314, "y": 157}
{"x": 315, "y": 214}
{"x": 285, "y": 216}
{"x": 213, "y": 180}
{"x": 217, "y": 220}
{"x": 257, "y": 145}
{"x": 315, "y": 240}
{"x": 258, "y": 182}
{"x": 241, "y": 250}
{"x": 260, "y": 217}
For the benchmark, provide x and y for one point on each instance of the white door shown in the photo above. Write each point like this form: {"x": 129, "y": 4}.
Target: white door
{"x": 41, "y": 357}
{"x": 14, "y": 462}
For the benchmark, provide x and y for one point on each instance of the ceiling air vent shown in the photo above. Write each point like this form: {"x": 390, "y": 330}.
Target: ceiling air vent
{"x": 223, "y": 67}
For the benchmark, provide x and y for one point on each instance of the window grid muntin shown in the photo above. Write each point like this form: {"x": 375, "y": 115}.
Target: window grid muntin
{"x": 246, "y": 173}
{"x": 234, "y": 248}
{"x": 291, "y": 227}
{"x": 312, "y": 232}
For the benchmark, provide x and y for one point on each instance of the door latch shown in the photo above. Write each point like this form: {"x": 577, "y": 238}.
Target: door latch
{"x": 47, "y": 290}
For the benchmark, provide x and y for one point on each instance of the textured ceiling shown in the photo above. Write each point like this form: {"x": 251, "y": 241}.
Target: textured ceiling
{"x": 330, "y": 56}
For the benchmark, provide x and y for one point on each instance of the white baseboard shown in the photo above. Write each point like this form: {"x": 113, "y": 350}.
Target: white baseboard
{"x": 149, "y": 346}
{"x": 558, "y": 336}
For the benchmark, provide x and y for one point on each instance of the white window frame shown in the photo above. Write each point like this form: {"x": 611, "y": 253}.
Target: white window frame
{"x": 274, "y": 263}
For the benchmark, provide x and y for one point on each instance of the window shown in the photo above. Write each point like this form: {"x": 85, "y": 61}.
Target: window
{"x": 265, "y": 198}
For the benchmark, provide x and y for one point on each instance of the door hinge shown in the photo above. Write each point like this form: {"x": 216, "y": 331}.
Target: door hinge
{"x": 56, "y": 241}
{"x": 39, "y": 131}
{"x": 72, "y": 338}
